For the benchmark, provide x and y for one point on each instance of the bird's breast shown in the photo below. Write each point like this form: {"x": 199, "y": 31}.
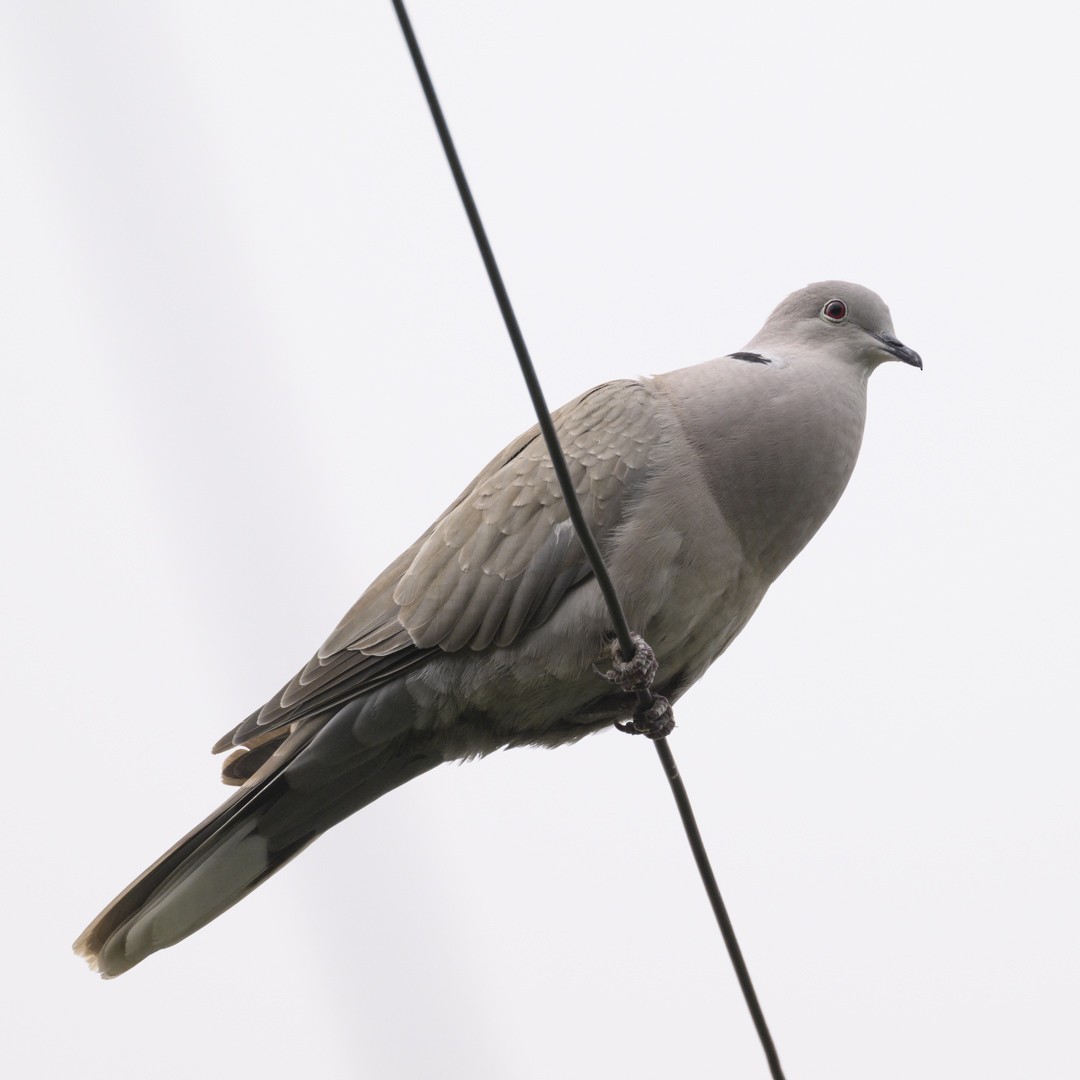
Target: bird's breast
{"x": 777, "y": 447}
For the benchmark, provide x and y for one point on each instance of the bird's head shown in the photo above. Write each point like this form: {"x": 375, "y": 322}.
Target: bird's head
{"x": 837, "y": 318}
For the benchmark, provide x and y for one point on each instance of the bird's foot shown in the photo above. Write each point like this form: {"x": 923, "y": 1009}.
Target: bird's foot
{"x": 653, "y": 717}
{"x": 657, "y": 721}
{"x": 636, "y": 674}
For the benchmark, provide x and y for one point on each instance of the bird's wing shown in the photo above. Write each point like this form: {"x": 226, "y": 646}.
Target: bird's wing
{"x": 495, "y": 564}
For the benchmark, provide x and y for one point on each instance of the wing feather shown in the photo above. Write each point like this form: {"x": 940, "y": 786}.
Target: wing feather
{"x": 495, "y": 565}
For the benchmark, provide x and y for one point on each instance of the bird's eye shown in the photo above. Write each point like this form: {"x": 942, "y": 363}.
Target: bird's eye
{"x": 835, "y": 310}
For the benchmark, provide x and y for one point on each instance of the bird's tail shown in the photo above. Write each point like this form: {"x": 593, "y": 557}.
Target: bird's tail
{"x": 273, "y": 817}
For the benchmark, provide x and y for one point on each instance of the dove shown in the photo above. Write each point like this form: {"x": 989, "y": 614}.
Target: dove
{"x": 700, "y": 486}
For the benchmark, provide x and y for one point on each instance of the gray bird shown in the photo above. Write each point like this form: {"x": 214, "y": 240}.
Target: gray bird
{"x": 700, "y": 486}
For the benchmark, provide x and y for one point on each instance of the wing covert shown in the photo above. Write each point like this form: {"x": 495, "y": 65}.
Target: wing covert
{"x": 493, "y": 566}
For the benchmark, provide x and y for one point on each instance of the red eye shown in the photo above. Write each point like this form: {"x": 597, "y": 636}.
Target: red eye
{"x": 835, "y": 311}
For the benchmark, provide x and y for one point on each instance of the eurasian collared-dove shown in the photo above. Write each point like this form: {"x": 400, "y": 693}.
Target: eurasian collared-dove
{"x": 700, "y": 485}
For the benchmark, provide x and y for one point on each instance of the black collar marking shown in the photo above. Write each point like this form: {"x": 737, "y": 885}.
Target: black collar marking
{"x": 752, "y": 357}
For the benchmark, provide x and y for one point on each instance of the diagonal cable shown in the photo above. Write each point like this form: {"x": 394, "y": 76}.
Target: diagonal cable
{"x": 547, "y": 426}
{"x": 587, "y": 541}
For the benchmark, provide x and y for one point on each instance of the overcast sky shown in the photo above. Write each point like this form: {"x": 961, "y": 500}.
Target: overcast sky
{"x": 248, "y": 354}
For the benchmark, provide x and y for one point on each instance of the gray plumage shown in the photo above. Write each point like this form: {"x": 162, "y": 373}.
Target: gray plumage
{"x": 701, "y": 485}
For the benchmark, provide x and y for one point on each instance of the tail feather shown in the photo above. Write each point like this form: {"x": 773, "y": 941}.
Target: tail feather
{"x": 197, "y": 879}
{"x": 285, "y": 806}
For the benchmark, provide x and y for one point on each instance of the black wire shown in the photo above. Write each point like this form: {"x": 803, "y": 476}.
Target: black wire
{"x": 547, "y": 426}
{"x": 588, "y": 542}
{"x": 727, "y": 931}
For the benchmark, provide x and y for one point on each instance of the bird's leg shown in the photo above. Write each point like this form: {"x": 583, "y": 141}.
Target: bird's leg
{"x": 653, "y": 717}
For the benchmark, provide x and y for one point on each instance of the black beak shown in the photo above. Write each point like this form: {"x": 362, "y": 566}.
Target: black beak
{"x": 900, "y": 350}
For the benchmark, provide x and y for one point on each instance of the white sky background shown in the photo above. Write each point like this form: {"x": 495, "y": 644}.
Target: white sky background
{"x": 249, "y": 353}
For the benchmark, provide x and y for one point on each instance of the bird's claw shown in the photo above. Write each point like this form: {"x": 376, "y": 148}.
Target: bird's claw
{"x": 655, "y": 722}
{"x": 636, "y": 674}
